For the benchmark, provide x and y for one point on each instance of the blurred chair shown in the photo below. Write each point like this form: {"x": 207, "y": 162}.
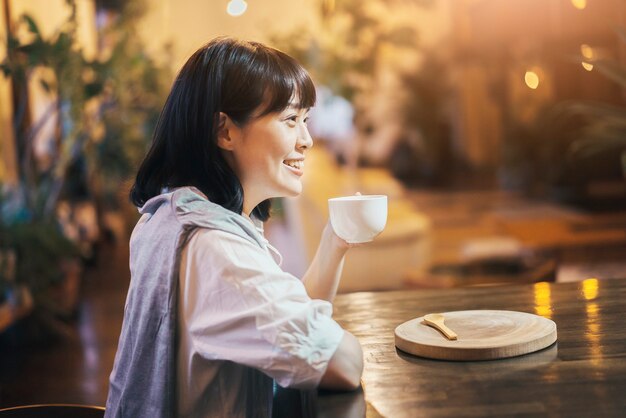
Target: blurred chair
{"x": 402, "y": 249}
{"x": 53, "y": 411}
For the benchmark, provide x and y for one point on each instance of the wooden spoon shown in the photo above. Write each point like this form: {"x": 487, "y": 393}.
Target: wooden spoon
{"x": 436, "y": 321}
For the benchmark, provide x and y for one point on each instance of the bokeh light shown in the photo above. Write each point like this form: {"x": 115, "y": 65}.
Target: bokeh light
{"x": 531, "y": 78}
{"x": 236, "y": 7}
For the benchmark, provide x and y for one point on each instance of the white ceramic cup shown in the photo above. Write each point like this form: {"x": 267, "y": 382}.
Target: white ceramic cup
{"x": 358, "y": 218}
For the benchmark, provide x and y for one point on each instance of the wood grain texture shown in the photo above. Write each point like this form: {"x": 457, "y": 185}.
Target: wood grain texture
{"x": 481, "y": 335}
{"x": 584, "y": 374}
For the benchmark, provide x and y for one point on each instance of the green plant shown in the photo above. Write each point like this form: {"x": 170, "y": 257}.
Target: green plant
{"x": 349, "y": 47}
{"x": 104, "y": 109}
{"x": 423, "y": 154}
{"x": 41, "y": 246}
{"x": 30, "y": 231}
{"x": 608, "y": 132}
{"x": 571, "y": 144}
{"x": 39, "y": 250}
{"x": 134, "y": 90}
{"x": 63, "y": 66}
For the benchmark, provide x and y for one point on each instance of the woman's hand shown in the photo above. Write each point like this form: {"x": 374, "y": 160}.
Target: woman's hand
{"x": 332, "y": 240}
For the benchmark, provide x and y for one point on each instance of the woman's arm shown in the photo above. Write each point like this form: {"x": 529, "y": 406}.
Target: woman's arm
{"x": 322, "y": 277}
{"x": 345, "y": 366}
{"x": 321, "y": 280}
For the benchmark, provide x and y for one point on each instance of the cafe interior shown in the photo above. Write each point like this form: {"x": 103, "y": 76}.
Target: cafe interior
{"x": 496, "y": 129}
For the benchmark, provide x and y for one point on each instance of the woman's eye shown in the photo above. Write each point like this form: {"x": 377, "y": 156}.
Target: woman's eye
{"x": 306, "y": 120}
{"x": 292, "y": 120}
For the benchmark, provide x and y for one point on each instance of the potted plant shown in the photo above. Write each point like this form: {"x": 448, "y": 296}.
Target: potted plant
{"x": 103, "y": 111}
{"x": 574, "y": 151}
{"x": 608, "y": 133}
{"x": 39, "y": 267}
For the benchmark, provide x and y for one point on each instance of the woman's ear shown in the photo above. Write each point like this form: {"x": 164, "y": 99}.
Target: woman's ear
{"x": 226, "y": 132}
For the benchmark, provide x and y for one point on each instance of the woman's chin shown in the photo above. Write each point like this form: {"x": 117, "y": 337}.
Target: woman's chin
{"x": 293, "y": 191}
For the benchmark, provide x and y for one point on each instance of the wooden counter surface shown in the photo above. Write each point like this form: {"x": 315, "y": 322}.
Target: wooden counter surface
{"x": 583, "y": 374}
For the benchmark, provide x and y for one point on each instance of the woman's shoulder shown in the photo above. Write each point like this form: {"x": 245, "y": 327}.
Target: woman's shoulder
{"x": 214, "y": 248}
{"x": 194, "y": 210}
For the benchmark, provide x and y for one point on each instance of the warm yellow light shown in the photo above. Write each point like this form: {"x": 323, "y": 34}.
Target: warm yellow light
{"x": 579, "y": 4}
{"x": 236, "y": 7}
{"x": 543, "y": 299}
{"x": 590, "y": 288}
{"x": 329, "y": 6}
{"x": 593, "y": 332}
{"x": 587, "y": 51}
{"x": 532, "y": 79}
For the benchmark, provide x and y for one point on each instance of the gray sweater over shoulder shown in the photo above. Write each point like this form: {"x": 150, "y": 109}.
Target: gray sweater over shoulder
{"x": 143, "y": 380}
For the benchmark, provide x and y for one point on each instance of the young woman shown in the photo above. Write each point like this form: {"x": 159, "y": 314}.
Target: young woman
{"x": 211, "y": 321}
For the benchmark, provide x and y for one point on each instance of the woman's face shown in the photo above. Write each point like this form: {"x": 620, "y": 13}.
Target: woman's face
{"x": 267, "y": 154}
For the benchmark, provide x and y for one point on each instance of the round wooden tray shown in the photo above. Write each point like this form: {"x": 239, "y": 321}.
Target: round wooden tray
{"x": 482, "y": 335}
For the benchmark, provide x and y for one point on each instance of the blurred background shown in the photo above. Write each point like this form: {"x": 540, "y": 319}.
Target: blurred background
{"x": 496, "y": 128}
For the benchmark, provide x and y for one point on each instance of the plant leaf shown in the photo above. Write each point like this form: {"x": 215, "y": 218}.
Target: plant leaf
{"x": 32, "y": 26}
{"x": 45, "y": 85}
{"x": 62, "y": 44}
{"x": 6, "y": 69}
{"x": 12, "y": 43}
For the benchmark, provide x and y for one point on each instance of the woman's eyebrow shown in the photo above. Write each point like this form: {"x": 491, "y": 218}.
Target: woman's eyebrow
{"x": 296, "y": 108}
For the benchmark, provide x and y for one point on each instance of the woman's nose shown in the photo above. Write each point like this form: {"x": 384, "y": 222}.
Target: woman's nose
{"x": 304, "y": 138}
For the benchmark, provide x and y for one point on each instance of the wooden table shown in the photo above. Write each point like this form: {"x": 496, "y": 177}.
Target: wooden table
{"x": 583, "y": 374}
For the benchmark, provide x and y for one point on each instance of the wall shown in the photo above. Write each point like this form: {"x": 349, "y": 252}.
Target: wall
{"x": 190, "y": 24}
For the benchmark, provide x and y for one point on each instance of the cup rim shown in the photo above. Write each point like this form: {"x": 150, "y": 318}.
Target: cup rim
{"x": 358, "y": 197}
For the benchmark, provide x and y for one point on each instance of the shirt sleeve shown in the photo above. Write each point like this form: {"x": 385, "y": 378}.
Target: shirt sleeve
{"x": 238, "y": 305}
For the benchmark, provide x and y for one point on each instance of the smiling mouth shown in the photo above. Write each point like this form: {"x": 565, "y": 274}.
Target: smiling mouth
{"x": 295, "y": 164}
